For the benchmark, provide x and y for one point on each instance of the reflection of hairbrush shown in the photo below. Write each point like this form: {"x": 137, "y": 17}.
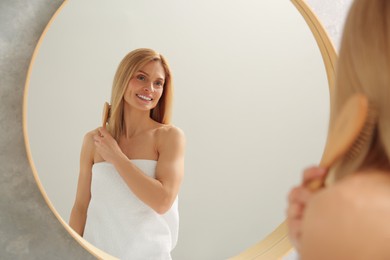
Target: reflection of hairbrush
{"x": 351, "y": 129}
{"x": 106, "y": 113}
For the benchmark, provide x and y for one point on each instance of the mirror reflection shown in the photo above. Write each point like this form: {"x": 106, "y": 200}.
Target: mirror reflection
{"x": 132, "y": 167}
{"x": 251, "y": 96}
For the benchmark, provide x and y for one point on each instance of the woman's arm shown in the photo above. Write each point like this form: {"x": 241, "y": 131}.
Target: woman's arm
{"x": 78, "y": 215}
{"x": 159, "y": 193}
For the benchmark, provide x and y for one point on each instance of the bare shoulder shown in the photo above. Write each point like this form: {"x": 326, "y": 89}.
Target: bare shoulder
{"x": 361, "y": 187}
{"x": 91, "y": 133}
{"x": 362, "y": 191}
{"x": 88, "y": 137}
{"x": 170, "y": 133}
{"x": 88, "y": 148}
{"x": 348, "y": 219}
{"x": 358, "y": 186}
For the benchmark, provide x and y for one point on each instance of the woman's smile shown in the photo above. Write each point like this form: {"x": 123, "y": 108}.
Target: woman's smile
{"x": 144, "y": 98}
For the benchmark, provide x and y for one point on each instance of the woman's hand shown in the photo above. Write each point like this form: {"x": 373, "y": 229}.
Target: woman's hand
{"x": 107, "y": 146}
{"x": 297, "y": 200}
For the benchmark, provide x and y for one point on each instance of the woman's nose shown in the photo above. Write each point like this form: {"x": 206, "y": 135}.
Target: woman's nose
{"x": 148, "y": 87}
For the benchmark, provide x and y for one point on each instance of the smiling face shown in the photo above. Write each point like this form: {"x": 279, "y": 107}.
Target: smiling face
{"x": 145, "y": 88}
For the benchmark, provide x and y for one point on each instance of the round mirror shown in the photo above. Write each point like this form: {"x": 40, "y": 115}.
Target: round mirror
{"x": 251, "y": 95}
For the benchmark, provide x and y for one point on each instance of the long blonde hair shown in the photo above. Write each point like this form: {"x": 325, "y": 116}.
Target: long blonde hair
{"x": 364, "y": 67}
{"x": 129, "y": 65}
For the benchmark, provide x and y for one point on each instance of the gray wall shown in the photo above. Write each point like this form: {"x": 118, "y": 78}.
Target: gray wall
{"x": 28, "y": 229}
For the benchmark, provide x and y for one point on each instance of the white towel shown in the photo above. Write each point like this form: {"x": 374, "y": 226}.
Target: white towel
{"x": 121, "y": 224}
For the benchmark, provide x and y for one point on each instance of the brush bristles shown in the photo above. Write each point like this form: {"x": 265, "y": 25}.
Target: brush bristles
{"x": 365, "y": 135}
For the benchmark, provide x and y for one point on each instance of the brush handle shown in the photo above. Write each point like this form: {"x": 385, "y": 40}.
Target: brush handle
{"x": 106, "y": 114}
{"x": 320, "y": 182}
{"x": 315, "y": 184}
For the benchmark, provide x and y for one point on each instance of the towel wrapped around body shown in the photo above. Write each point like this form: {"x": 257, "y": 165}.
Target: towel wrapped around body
{"x": 121, "y": 224}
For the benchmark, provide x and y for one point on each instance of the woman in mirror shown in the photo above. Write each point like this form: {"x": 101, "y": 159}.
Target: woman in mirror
{"x": 131, "y": 169}
{"x": 349, "y": 218}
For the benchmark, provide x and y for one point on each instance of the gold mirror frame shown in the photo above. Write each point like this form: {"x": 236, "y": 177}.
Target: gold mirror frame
{"x": 276, "y": 244}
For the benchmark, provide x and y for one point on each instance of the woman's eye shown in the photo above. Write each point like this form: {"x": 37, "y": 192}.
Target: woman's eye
{"x": 141, "y": 77}
{"x": 159, "y": 84}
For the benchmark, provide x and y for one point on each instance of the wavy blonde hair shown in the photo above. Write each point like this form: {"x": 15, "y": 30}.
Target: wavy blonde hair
{"x": 364, "y": 67}
{"x": 129, "y": 65}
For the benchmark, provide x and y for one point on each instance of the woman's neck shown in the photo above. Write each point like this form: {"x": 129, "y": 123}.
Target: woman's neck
{"x": 136, "y": 121}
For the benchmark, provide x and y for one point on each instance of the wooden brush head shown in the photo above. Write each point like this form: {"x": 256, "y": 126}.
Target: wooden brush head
{"x": 348, "y": 127}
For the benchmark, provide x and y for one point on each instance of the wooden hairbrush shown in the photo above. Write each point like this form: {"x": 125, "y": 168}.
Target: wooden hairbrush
{"x": 352, "y": 127}
{"x": 106, "y": 113}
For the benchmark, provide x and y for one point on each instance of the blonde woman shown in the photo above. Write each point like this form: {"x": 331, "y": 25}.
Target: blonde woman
{"x": 349, "y": 219}
{"x": 131, "y": 170}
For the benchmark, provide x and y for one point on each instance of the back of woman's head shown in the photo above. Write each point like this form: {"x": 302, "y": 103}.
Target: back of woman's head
{"x": 129, "y": 65}
{"x": 364, "y": 67}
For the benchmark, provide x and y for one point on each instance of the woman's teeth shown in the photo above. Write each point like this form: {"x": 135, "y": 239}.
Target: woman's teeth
{"x": 144, "y": 97}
